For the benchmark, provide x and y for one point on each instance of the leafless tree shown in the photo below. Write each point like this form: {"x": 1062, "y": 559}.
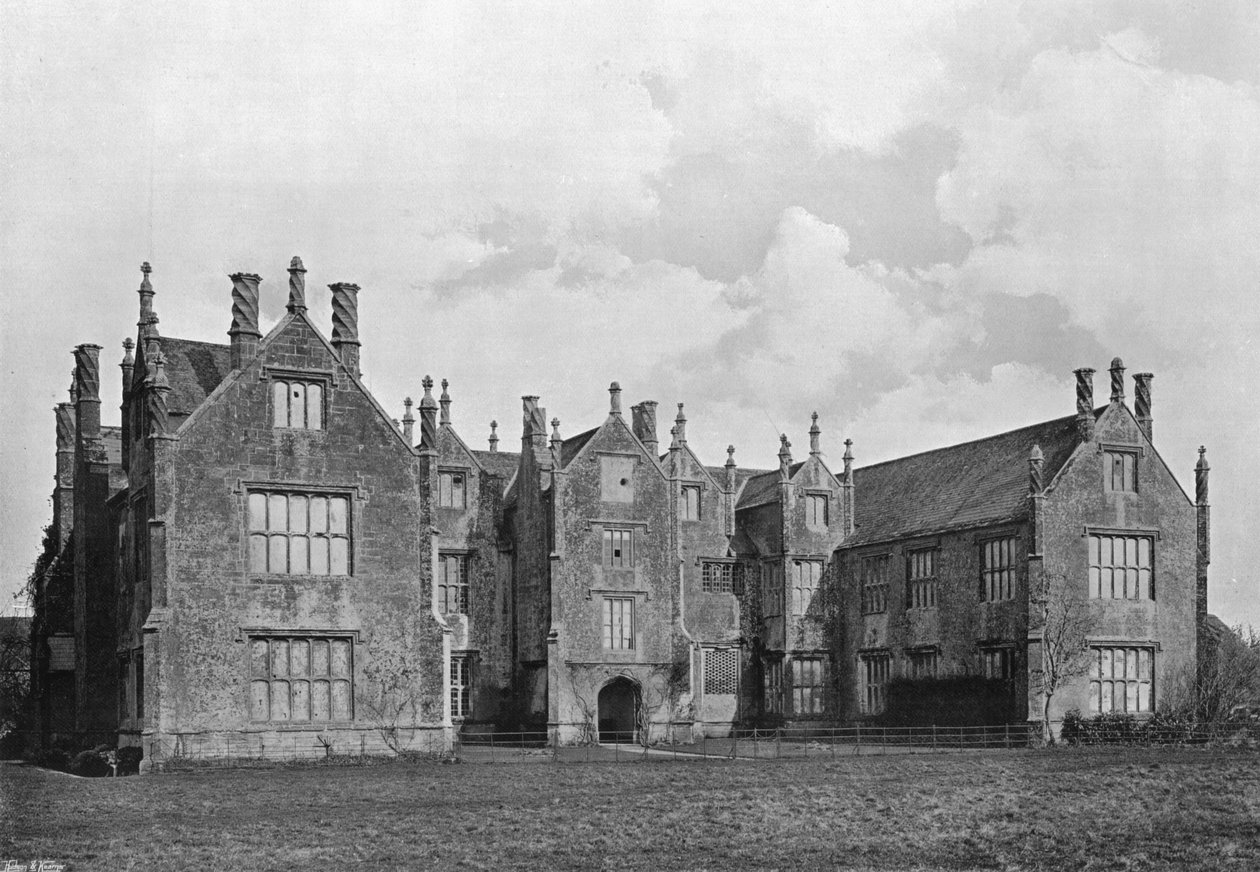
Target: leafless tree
{"x": 662, "y": 692}
{"x": 1228, "y": 678}
{"x": 1065, "y": 624}
{"x": 590, "y": 711}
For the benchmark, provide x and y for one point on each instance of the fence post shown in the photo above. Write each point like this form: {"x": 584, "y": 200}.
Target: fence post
{"x": 833, "y": 743}
{"x": 1008, "y": 737}
{"x": 857, "y": 749}
{"x": 933, "y": 737}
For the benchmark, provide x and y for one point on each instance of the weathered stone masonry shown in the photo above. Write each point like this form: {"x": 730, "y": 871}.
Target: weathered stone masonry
{"x": 260, "y": 561}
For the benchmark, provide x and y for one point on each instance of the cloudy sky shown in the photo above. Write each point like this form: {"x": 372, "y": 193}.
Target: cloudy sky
{"x": 916, "y": 219}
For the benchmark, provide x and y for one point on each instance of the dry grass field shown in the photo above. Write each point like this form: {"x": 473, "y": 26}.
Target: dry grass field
{"x": 1061, "y": 809}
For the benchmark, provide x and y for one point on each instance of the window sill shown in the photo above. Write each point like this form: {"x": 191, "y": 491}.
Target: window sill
{"x": 280, "y": 579}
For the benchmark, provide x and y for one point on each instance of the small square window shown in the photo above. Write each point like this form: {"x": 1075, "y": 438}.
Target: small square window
{"x": 618, "y": 548}
{"x": 452, "y": 489}
{"x": 1121, "y": 471}
{"x": 297, "y": 404}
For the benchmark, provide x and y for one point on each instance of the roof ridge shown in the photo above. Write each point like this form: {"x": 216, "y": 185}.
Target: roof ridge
{"x": 1011, "y": 432}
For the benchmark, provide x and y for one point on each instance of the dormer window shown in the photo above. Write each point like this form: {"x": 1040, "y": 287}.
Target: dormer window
{"x": 297, "y": 404}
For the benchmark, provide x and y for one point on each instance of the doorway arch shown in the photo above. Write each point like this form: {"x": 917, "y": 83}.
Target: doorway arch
{"x": 619, "y": 710}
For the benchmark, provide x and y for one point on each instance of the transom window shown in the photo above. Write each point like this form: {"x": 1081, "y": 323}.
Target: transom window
{"x": 806, "y": 575}
{"x": 300, "y": 679}
{"x": 461, "y": 685}
{"x": 618, "y": 623}
{"x": 1120, "y": 567}
{"x": 874, "y": 576}
{"x": 774, "y": 687}
{"x": 998, "y": 663}
{"x": 924, "y": 664}
{"x": 721, "y": 670}
{"x": 721, "y": 577}
{"x": 1121, "y": 679}
{"x": 921, "y": 578}
{"x": 1121, "y": 471}
{"x": 875, "y": 670}
{"x": 816, "y": 511}
{"x": 299, "y": 534}
{"x": 453, "y": 584}
{"x": 452, "y": 489}
{"x": 807, "y": 686}
{"x": 771, "y": 590}
{"x": 297, "y": 404}
{"x": 618, "y": 548}
{"x": 997, "y": 575}
{"x": 689, "y": 502}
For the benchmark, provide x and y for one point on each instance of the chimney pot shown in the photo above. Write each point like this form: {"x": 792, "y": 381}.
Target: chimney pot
{"x": 680, "y": 424}
{"x": 1085, "y": 403}
{"x": 244, "y": 331}
{"x": 814, "y": 433}
{"x": 1117, "y": 380}
{"x": 345, "y": 319}
{"x": 297, "y": 285}
{"x": 494, "y": 436}
{"x": 614, "y": 399}
{"x": 1142, "y": 403}
{"x": 643, "y": 422}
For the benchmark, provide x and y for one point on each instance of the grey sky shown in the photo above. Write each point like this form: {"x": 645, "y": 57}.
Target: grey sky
{"x": 915, "y": 220}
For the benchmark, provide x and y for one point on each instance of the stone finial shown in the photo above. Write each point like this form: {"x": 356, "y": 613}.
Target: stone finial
{"x": 146, "y": 300}
{"x": 1085, "y": 403}
{"x": 1117, "y": 380}
{"x": 680, "y": 424}
{"x": 445, "y": 402}
{"x": 614, "y": 399}
{"x": 730, "y": 455}
{"x": 1036, "y": 465}
{"x": 814, "y": 433}
{"x": 494, "y": 436}
{"x": 345, "y": 323}
{"x": 785, "y": 456}
{"x": 556, "y": 439}
{"x": 408, "y": 420}
{"x": 1201, "y": 469}
{"x": 128, "y": 366}
{"x": 1142, "y": 403}
{"x": 297, "y": 286}
{"x": 673, "y": 439}
{"x": 428, "y": 416}
{"x": 74, "y": 388}
{"x": 848, "y": 460}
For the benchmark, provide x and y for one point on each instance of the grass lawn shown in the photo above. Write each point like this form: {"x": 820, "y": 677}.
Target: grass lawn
{"x": 1063, "y": 809}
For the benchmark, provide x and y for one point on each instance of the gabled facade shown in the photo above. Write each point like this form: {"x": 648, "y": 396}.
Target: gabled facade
{"x": 259, "y": 561}
{"x": 966, "y": 559}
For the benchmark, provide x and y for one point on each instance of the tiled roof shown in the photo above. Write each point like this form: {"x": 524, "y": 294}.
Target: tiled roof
{"x": 573, "y": 445}
{"x": 762, "y": 487}
{"x": 985, "y": 481}
{"x": 194, "y": 370}
{"x": 502, "y": 463}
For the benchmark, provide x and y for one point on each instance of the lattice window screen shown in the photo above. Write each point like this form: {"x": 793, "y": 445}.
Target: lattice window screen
{"x": 721, "y": 670}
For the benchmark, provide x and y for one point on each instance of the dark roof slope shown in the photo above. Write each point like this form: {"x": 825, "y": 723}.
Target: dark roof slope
{"x": 763, "y": 487}
{"x": 502, "y": 463}
{"x": 194, "y": 370}
{"x": 985, "y": 481}
{"x": 571, "y": 446}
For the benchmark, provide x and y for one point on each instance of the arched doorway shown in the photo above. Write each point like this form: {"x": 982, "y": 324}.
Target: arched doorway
{"x": 618, "y": 711}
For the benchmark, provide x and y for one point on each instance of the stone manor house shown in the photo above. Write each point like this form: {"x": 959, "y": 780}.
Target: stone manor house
{"x": 261, "y": 560}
